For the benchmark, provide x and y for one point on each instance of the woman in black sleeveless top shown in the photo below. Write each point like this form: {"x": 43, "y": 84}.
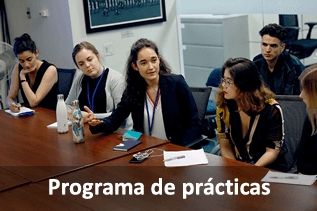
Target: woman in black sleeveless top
{"x": 37, "y": 79}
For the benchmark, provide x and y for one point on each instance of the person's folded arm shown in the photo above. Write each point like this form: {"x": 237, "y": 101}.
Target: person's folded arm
{"x": 226, "y": 149}
{"x": 268, "y": 157}
{"x": 49, "y": 79}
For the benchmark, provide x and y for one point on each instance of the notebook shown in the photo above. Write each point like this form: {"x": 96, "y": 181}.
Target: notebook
{"x": 24, "y": 111}
{"x": 127, "y": 145}
{"x": 132, "y": 135}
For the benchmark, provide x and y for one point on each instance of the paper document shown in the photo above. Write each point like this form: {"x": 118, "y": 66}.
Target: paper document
{"x": 54, "y": 125}
{"x": 185, "y": 158}
{"x": 24, "y": 111}
{"x": 287, "y": 178}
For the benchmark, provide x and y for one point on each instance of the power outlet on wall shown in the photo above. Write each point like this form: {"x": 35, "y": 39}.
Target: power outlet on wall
{"x": 28, "y": 12}
{"x": 108, "y": 49}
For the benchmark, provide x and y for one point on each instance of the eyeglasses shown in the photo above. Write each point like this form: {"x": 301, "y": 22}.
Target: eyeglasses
{"x": 226, "y": 82}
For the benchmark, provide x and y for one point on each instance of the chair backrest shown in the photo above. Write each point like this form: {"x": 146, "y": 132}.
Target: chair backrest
{"x": 294, "y": 113}
{"x": 288, "y": 20}
{"x": 214, "y": 78}
{"x": 201, "y": 96}
{"x": 290, "y": 23}
{"x": 1, "y": 103}
{"x": 65, "y": 79}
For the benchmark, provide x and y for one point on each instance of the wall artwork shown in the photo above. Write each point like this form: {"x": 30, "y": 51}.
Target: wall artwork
{"x": 101, "y": 15}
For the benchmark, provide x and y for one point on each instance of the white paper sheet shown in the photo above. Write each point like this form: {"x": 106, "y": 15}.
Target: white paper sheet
{"x": 54, "y": 125}
{"x": 192, "y": 157}
{"x": 22, "y": 111}
{"x": 287, "y": 178}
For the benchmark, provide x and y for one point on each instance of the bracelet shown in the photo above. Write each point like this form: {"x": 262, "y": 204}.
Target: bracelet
{"x": 21, "y": 81}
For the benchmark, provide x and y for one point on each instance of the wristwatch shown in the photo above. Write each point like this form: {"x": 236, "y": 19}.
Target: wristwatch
{"x": 22, "y": 80}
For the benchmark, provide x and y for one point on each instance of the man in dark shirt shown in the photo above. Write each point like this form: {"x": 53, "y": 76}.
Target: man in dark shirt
{"x": 280, "y": 70}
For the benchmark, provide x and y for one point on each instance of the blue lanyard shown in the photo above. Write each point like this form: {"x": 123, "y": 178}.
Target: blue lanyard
{"x": 91, "y": 104}
{"x": 147, "y": 110}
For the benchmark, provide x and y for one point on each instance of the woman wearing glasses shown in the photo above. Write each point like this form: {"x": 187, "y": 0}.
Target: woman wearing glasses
{"x": 307, "y": 150}
{"x": 249, "y": 120}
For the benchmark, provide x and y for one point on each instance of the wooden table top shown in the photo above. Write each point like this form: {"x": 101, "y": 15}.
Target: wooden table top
{"x": 281, "y": 196}
{"x": 30, "y": 149}
{"x": 10, "y": 180}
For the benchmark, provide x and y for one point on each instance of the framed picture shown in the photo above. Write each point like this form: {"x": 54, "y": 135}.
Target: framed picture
{"x": 101, "y": 15}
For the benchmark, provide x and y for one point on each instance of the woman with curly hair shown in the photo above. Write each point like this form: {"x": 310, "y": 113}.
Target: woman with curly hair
{"x": 161, "y": 103}
{"x": 249, "y": 120}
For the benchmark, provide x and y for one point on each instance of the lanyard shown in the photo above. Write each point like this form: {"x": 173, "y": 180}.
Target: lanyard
{"x": 147, "y": 110}
{"x": 91, "y": 104}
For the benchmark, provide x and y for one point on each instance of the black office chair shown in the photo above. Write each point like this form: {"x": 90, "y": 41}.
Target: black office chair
{"x": 301, "y": 48}
{"x": 65, "y": 80}
{"x": 294, "y": 113}
{"x": 201, "y": 96}
{"x": 1, "y": 103}
{"x": 213, "y": 81}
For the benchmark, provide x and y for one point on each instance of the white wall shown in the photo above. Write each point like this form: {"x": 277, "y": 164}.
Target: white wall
{"x": 307, "y": 7}
{"x": 52, "y": 34}
{"x": 163, "y": 34}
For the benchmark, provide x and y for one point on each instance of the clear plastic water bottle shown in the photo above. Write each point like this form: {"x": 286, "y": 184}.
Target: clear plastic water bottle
{"x": 61, "y": 115}
{"x": 78, "y": 123}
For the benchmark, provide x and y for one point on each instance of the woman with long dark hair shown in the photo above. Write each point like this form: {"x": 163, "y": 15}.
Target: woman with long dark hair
{"x": 249, "y": 120}
{"x": 37, "y": 79}
{"x": 161, "y": 103}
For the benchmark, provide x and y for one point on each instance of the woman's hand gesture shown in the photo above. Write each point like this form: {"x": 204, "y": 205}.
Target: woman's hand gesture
{"x": 91, "y": 119}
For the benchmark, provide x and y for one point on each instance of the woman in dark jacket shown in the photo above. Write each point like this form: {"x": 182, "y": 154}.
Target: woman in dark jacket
{"x": 161, "y": 104}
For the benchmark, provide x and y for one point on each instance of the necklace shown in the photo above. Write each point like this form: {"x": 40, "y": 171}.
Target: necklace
{"x": 153, "y": 90}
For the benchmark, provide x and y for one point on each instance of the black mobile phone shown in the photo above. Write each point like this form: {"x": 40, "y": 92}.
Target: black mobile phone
{"x": 134, "y": 160}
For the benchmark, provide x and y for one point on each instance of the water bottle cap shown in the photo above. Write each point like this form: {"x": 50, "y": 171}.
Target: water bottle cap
{"x": 75, "y": 103}
{"x": 60, "y": 97}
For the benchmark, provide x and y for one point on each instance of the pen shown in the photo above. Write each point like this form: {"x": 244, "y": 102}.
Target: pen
{"x": 288, "y": 177}
{"x": 16, "y": 103}
{"x": 174, "y": 158}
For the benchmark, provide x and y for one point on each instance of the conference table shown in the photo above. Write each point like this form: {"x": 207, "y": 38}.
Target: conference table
{"x": 34, "y": 157}
{"x": 30, "y": 149}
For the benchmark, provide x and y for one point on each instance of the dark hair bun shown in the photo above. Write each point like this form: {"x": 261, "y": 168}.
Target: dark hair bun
{"x": 24, "y": 43}
{"x": 26, "y": 36}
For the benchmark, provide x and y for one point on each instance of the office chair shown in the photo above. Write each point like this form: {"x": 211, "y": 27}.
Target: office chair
{"x": 201, "y": 96}
{"x": 301, "y": 48}
{"x": 294, "y": 113}
{"x": 65, "y": 79}
{"x": 1, "y": 103}
{"x": 213, "y": 81}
